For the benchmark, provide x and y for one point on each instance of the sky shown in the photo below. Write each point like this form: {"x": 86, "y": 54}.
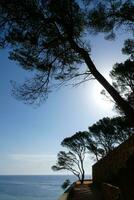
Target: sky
{"x": 30, "y": 136}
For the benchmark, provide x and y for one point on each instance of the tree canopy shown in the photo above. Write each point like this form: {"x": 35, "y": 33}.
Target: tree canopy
{"x": 122, "y": 75}
{"x": 74, "y": 159}
{"x": 51, "y": 39}
{"x": 103, "y": 136}
{"x": 108, "y": 16}
{"x": 67, "y": 161}
{"x": 129, "y": 48}
{"x": 108, "y": 133}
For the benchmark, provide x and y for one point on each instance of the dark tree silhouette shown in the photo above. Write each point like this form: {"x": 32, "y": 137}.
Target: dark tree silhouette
{"x": 108, "y": 133}
{"x": 73, "y": 160}
{"x": 129, "y": 48}
{"x": 109, "y": 15}
{"x": 67, "y": 161}
{"x": 49, "y": 38}
{"x": 91, "y": 145}
{"x": 122, "y": 75}
{"x": 102, "y": 137}
{"x": 122, "y": 130}
{"x": 105, "y": 135}
{"x": 65, "y": 184}
{"x": 76, "y": 144}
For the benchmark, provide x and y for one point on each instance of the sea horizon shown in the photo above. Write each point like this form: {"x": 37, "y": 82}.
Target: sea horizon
{"x": 39, "y": 175}
{"x": 32, "y": 187}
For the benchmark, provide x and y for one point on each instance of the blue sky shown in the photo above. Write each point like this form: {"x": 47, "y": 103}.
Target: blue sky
{"x": 30, "y": 137}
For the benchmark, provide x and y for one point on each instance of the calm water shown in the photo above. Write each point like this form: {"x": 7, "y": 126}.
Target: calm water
{"x": 31, "y": 187}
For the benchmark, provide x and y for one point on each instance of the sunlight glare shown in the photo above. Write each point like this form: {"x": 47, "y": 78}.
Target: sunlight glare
{"x": 100, "y": 100}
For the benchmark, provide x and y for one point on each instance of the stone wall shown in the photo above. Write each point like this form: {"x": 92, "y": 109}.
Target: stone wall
{"x": 111, "y": 192}
{"x": 108, "y": 168}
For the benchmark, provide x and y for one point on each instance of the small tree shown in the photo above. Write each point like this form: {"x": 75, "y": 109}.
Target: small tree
{"x": 65, "y": 184}
{"x": 74, "y": 159}
{"x": 67, "y": 161}
{"x": 76, "y": 144}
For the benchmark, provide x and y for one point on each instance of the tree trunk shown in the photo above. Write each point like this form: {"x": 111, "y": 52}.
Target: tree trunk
{"x": 96, "y": 157}
{"x": 82, "y": 170}
{"x": 82, "y": 177}
{"x": 127, "y": 109}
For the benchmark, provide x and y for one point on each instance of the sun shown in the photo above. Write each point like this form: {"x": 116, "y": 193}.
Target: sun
{"x": 100, "y": 100}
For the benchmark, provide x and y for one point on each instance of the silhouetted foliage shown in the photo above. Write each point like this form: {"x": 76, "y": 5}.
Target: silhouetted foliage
{"x": 105, "y": 135}
{"x": 109, "y": 15}
{"x": 91, "y": 145}
{"x": 122, "y": 75}
{"x": 102, "y": 137}
{"x": 50, "y": 38}
{"x": 129, "y": 48}
{"x": 65, "y": 184}
{"x": 108, "y": 133}
{"x": 74, "y": 159}
{"x": 67, "y": 161}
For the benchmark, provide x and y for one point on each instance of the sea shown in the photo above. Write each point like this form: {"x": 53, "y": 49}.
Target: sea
{"x": 47, "y": 187}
